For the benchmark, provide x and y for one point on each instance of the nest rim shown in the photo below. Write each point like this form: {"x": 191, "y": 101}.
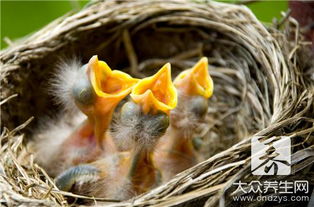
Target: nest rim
{"x": 283, "y": 101}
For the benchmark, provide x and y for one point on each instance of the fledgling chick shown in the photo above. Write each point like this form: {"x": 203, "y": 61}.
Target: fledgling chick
{"x": 175, "y": 152}
{"x": 141, "y": 122}
{"x": 96, "y": 90}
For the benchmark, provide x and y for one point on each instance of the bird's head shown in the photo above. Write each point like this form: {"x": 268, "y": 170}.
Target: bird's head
{"x": 194, "y": 87}
{"x": 156, "y": 93}
{"x": 100, "y": 89}
{"x": 195, "y": 81}
{"x": 145, "y": 118}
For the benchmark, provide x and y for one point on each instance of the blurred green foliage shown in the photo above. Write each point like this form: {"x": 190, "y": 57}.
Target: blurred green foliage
{"x": 265, "y": 10}
{"x": 19, "y": 18}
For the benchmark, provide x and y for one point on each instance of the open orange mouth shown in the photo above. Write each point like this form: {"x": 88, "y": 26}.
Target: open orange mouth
{"x": 107, "y": 83}
{"x": 196, "y": 81}
{"x": 156, "y": 93}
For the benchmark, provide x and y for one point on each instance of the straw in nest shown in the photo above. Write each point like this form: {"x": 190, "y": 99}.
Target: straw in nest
{"x": 262, "y": 89}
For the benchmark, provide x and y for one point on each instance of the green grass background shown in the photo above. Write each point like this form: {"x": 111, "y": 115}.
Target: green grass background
{"x": 19, "y": 18}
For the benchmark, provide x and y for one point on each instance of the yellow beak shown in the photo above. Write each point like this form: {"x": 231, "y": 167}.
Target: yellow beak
{"x": 110, "y": 86}
{"x": 196, "y": 81}
{"x": 107, "y": 83}
{"x": 156, "y": 93}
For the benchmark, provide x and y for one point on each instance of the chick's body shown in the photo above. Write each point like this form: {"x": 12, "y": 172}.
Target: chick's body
{"x": 86, "y": 88}
{"x": 136, "y": 129}
{"x": 109, "y": 177}
{"x": 175, "y": 151}
{"x": 174, "y": 157}
{"x": 58, "y": 147}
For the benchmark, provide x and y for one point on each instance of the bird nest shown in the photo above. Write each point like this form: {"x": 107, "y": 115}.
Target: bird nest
{"x": 262, "y": 89}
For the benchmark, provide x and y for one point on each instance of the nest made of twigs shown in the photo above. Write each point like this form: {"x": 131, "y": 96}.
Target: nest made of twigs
{"x": 262, "y": 88}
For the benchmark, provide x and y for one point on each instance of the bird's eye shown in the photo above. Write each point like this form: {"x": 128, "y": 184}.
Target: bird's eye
{"x": 199, "y": 106}
{"x": 129, "y": 111}
{"x": 160, "y": 123}
{"x": 83, "y": 91}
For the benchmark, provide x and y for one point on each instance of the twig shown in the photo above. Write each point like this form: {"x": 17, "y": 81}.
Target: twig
{"x": 131, "y": 54}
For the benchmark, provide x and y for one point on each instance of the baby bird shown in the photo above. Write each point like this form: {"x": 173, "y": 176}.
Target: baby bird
{"x": 175, "y": 152}
{"x": 96, "y": 90}
{"x": 137, "y": 128}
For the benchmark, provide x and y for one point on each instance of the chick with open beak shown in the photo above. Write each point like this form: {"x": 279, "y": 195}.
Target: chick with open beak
{"x": 110, "y": 87}
{"x": 96, "y": 91}
{"x": 175, "y": 152}
{"x": 137, "y": 128}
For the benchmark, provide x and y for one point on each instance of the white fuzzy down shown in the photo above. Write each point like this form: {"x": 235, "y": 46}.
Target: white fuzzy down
{"x": 137, "y": 132}
{"x": 49, "y": 137}
{"x": 185, "y": 120}
{"x": 62, "y": 82}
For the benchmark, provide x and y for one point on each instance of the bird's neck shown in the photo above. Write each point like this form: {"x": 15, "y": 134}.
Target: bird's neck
{"x": 101, "y": 122}
{"x": 141, "y": 159}
{"x": 83, "y": 135}
{"x": 142, "y": 172}
{"x": 178, "y": 142}
{"x": 86, "y": 130}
